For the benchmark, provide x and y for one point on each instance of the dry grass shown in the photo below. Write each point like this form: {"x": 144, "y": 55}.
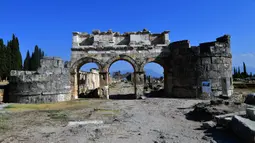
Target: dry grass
{"x": 50, "y": 106}
{"x": 244, "y": 90}
{"x": 4, "y": 82}
{"x": 3, "y": 123}
{"x": 1, "y": 94}
{"x": 106, "y": 112}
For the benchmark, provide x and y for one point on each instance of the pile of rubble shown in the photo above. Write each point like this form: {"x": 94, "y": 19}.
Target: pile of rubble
{"x": 238, "y": 118}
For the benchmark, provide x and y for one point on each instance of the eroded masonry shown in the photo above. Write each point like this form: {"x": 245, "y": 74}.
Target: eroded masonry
{"x": 187, "y": 69}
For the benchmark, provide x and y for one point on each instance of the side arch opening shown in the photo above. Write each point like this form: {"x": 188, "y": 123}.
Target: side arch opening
{"x": 154, "y": 79}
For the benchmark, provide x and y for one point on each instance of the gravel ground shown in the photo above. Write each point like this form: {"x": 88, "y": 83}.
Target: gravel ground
{"x": 154, "y": 120}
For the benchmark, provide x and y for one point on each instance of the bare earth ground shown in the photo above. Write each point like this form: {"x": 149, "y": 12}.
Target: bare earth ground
{"x": 154, "y": 120}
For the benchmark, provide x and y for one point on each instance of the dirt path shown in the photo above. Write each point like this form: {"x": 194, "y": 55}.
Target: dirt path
{"x": 152, "y": 120}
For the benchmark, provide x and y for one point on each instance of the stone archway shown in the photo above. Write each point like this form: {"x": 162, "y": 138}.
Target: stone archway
{"x": 121, "y": 57}
{"x": 165, "y": 72}
{"x": 74, "y": 73}
{"x": 129, "y": 60}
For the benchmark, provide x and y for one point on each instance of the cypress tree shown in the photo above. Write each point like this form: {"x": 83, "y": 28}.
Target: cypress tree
{"x": 27, "y": 62}
{"x": 234, "y": 75}
{"x": 244, "y": 70}
{"x": 2, "y": 59}
{"x": 8, "y": 58}
{"x": 37, "y": 55}
{"x": 238, "y": 72}
{"x": 16, "y": 58}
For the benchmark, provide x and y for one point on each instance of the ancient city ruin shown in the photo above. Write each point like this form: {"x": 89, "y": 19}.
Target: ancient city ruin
{"x": 186, "y": 68}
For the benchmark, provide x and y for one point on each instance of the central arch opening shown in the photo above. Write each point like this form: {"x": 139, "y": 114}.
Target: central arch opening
{"x": 154, "y": 80}
{"x": 121, "y": 80}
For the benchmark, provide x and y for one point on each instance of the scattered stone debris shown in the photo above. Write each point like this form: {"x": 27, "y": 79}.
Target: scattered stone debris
{"x": 207, "y": 111}
{"x": 244, "y": 128}
{"x": 250, "y": 112}
{"x": 85, "y": 122}
{"x": 208, "y": 124}
{"x": 225, "y": 119}
{"x": 250, "y": 99}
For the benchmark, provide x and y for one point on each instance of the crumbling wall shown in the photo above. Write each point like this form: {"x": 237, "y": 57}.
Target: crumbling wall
{"x": 216, "y": 65}
{"x": 209, "y": 62}
{"x": 183, "y": 69}
{"x": 50, "y": 83}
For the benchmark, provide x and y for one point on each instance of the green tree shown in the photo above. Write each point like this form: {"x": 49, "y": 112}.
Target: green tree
{"x": 245, "y": 74}
{"x": 235, "y": 73}
{"x": 16, "y": 58}
{"x": 37, "y": 55}
{"x": 27, "y": 62}
{"x": 238, "y": 72}
{"x": 2, "y": 59}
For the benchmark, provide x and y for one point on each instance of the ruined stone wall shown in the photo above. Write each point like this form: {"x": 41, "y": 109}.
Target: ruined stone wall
{"x": 210, "y": 62}
{"x": 88, "y": 81}
{"x": 216, "y": 65}
{"x": 50, "y": 83}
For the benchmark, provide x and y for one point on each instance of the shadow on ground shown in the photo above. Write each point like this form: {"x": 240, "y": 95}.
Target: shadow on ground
{"x": 221, "y": 135}
{"x": 121, "y": 97}
{"x": 156, "y": 94}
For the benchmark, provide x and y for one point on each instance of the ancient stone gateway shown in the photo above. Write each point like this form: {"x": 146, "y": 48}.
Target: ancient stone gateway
{"x": 185, "y": 67}
{"x": 189, "y": 71}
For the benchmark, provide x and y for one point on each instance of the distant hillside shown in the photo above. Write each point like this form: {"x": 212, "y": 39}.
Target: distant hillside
{"x": 147, "y": 72}
{"x": 153, "y": 73}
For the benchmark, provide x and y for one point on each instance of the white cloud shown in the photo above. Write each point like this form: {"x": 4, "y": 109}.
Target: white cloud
{"x": 250, "y": 55}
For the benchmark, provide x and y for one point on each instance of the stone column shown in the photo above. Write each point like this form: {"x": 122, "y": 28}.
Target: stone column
{"x": 74, "y": 84}
{"x": 104, "y": 84}
{"x": 139, "y": 84}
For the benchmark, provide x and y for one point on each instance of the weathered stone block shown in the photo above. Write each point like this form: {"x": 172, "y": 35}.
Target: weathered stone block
{"x": 244, "y": 128}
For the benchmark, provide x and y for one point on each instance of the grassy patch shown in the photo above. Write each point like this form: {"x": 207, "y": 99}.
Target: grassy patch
{"x": 106, "y": 111}
{"x": 49, "y": 106}
{"x": 3, "y": 123}
{"x": 58, "y": 115}
{"x": 4, "y": 82}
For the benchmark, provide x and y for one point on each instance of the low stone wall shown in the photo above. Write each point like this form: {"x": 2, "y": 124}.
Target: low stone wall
{"x": 50, "y": 83}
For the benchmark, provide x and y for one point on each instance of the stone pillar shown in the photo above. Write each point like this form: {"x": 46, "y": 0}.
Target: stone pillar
{"x": 139, "y": 84}
{"x": 168, "y": 83}
{"x": 74, "y": 85}
{"x": 104, "y": 84}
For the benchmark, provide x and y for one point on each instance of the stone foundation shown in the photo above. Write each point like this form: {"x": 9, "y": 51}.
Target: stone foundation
{"x": 50, "y": 83}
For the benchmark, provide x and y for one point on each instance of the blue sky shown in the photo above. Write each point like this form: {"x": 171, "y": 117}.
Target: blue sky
{"x": 50, "y": 23}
